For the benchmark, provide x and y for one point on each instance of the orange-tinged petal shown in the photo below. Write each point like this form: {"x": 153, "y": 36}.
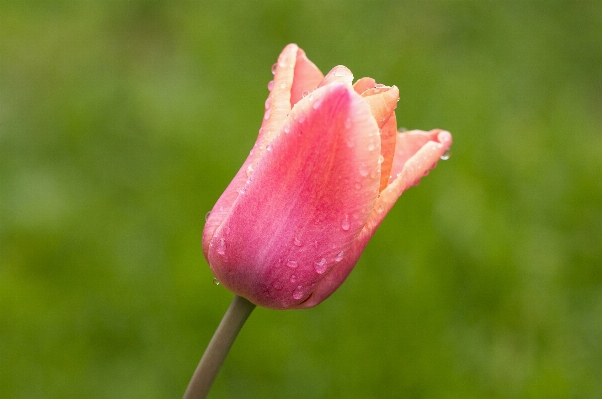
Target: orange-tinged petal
{"x": 364, "y": 84}
{"x": 307, "y": 201}
{"x": 383, "y": 101}
{"x": 388, "y": 138}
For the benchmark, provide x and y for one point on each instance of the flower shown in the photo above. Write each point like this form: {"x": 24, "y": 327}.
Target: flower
{"x": 327, "y": 166}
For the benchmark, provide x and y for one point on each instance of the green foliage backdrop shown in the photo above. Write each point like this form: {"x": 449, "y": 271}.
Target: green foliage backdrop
{"x": 121, "y": 122}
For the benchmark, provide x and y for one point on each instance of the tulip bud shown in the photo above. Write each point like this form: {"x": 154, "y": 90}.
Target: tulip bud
{"x": 327, "y": 166}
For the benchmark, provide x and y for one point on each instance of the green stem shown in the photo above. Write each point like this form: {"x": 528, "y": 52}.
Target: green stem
{"x": 218, "y": 348}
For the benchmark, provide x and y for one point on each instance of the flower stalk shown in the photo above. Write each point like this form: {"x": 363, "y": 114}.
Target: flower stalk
{"x": 218, "y": 348}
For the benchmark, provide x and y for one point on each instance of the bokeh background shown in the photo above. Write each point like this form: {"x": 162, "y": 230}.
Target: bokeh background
{"x": 121, "y": 122}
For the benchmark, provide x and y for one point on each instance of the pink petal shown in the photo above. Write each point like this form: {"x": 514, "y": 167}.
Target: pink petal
{"x": 426, "y": 148}
{"x": 306, "y": 79}
{"x": 338, "y": 74}
{"x": 308, "y": 200}
{"x": 292, "y": 66}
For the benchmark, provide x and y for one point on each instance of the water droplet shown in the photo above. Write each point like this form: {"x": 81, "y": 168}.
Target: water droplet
{"x": 267, "y": 113}
{"x": 207, "y": 215}
{"x": 291, "y": 263}
{"x": 316, "y": 104}
{"x": 298, "y": 242}
{"x": 215, "y": 282}
{"x": 249, "y": 170}
{"x": 269, "y": 148}
{"x": 381, "y": 159}
{"x": 446, "y": 155}
{"x": 339, "y": 73}
{"x": 402, "y": 129}
{"x": 283, "y": 85}
{"x": 320, "y": 266}
{"x": 287, "y": 128}
{"x": 221, "y": 249}
{"x": 293, "y": 279}
{"x": 274, "y": 69}
{"x": 282, "y": 62}
{"x": 298, "y": 294}
{"x": 305, "y": 93}
{"x": 381, "y": 208}
{"x": 270, "y": 85}
{"x": 345, "y": 225}
{"x": 371, "y": 146}
{"x": 277, "y": 284}
{"x": 301, "y": 118}
{"x": 339, "y": 257}
{"x": 363, "y": 170}
{"x": 268, "y": 102}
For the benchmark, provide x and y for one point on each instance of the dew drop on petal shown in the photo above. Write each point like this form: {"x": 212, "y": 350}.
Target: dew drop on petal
{"x": 339, "y": 73}
{"x": 207, "y": 215}
{"x": 316, "y": 104}
{"x": 249, "y": 170}
{"x": 268, "y": 102}
{"x": 305, "y": 93}
{"x": 320, "y": 266}
{"x": 381, "y": 159}
{"x": 277, "y": 284}
{"x": 298, "y": 242}
{"x": 402, "y": 129}
{"x": 274, "y": 69}
{"x": 221, "y": 248}
{"x": 446, "y": 155}
{"x": 363, "y": 170}
{"x": 283, "y": 85}
{"x": 287, "y": 128}
{"x": 270, "y": 85}
{"x": 339, "y": 257}
{"x": 292, "y": 264}
{"x": 267, "y": 113}
{"x": 371, "y": 146}
{"x": 215, "y": 281}
{"x": 298, "y": 294}
{"x": 269, "y": 148}
{"x": 345, "y": 224}
{"x": 301, "y": 119}
{"x": 293, "y": 279}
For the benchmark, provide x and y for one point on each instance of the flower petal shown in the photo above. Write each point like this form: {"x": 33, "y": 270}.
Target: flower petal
{"x": 364, "y": 84}
{"x": 308, "y": 200}
{"x": 383, "y": 101}
{"x": 416, "y": 153}
{"x": 339, "y": 73}
{"x": 292, "y": 66}
{"x": 307, "y": 77}
{"x": 427, "y": 148}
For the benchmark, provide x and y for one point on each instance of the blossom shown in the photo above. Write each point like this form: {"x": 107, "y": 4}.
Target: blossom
{"x": 327, "y": 166}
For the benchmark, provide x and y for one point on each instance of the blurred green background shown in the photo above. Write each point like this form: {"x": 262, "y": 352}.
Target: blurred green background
{"x": 121, "y": 122}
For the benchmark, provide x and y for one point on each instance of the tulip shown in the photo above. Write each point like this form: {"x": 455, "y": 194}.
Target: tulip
{"x": 327, "y": 166}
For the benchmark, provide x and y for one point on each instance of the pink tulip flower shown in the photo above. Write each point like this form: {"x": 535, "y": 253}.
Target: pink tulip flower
{"x": 327, "y": 166}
